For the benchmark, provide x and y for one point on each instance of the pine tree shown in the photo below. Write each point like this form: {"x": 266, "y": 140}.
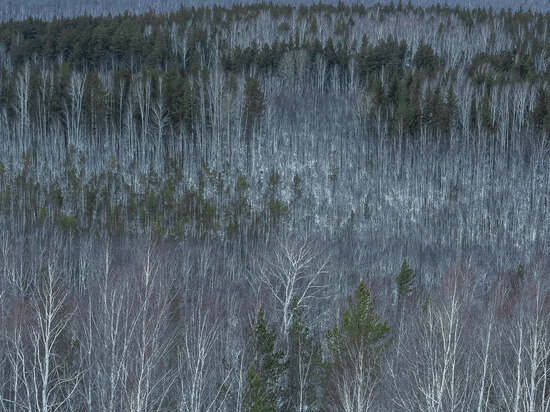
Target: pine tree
{"x": 264, "y": 376}
{"x": 179, "y": 98}
{"x": 305, "y": 365}
{"x": 357, "y": 345}
{"x": 425, "y": 58}
{"x": 254, "y": 102}
{"x": 378, "y": 92}
{"x": 257, "y": 397}
{"x": 406, "y": 280}
{"x": 360, "y": 323}
{"x": 541, "y": 112}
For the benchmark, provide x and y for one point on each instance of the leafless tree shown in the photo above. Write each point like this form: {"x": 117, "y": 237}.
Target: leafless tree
{"x": 294, "y": 272}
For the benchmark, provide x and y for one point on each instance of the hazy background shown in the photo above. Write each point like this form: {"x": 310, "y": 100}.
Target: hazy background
{"x": 21, "y": 9}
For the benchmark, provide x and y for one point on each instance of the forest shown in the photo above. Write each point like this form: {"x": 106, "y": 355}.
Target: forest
{"x": 47, "y": 9}
{"x": 275, "y": 207}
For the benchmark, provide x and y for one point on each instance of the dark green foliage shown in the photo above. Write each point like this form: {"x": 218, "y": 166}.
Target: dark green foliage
{"x": 392, "y": 141}
{"x": 360, "y": 330}
{"x": 278, "y": 210}
{"x": 276, "y": 207}
{"x": 257, "y": 396}
{"x": 67, "y": 222}
{"x": 56, "y": 196}
{"x": 305, "y": 365}
{"x": 388, "y": 54}
{"x": 406, "y": 280}
{"x": 356, "y": 347}
{"x": 341, "y": 27}
{"x": 541, "y": 112}
{"x": 408, "y": 109}
{"x": 485, "y": 113}
{"x": 425, "y": 58}
{"x": 264, "y": 386}
{"x": 401, "y": 94}
{"x": 179, "y": 98}
{"x": 90, "y": 198}
{"x": 284, "y": 27}
{"x": 378, "y": 91}
{"x": 504, "y": 66}
{"x": 241, "y": 205}
{"x": 254, "y": 102}
{"x": 94, "y": 104}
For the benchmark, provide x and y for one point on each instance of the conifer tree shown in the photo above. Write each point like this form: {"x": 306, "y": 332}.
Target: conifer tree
{"x": 541, "y": 112}
{"x": 264, "y": 376}
{"x": 357, "y": 345}
{"x": 485, "y": 113}
{"x": 257, "y": 396}
{"x": 254, "y": 102}
{"x": 305, "y": 365}
{"x": 406, "y": 280}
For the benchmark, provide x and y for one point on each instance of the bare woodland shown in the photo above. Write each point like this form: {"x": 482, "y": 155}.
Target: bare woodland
{"x": 276, "y": 208}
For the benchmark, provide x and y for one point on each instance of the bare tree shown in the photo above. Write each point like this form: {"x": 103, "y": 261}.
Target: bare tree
{"x": 295, "y": 271}
{"x": 197, "y": 375}
{"x": 160, "y": 119}
{"x": 22, "y": 103}
{"x": 434, "y": 372}
{"x": 47, "y": 381}
{"x": 524, "y": 369}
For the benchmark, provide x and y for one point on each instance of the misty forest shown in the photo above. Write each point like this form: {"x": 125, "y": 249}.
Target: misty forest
{"x": 272, "y": 207}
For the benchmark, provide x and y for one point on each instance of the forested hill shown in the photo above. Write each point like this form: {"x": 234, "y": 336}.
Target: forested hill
{"x": 424, "y": 129}
{"x": 21, "y": 9}
{"x": 271, "y": 207}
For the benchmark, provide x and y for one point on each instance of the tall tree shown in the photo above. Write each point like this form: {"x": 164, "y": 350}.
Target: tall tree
{"x": 254, "y": 102}
{"x": 265, "y": 373}
{"x": 356, "y": 346}
{"x": 305, "y": 366}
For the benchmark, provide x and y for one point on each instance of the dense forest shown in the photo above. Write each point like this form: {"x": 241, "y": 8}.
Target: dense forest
{"x": 275, "y": 207}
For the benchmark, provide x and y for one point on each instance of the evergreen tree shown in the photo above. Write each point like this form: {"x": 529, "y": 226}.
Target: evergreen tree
{"x": 257, "y": 396}
{"x": 360, "y": 324}
{"x": 179, "y": 98}
{"x": 305, "y": 365}
{"x": 378, "y": 92}
{"x": 263, "y": 391}
{"x": 541, "y": 112}
{"x": 406, "y": 280}
{"x": 485, "y": 113}
{"x": 357, "y": 345}
{"x": 425, "y": 58}
{"x": 276, "y": 207}
{"x": 254, "y": 102}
